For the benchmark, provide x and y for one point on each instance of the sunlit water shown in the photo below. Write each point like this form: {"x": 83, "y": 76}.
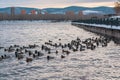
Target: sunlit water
{"x": 101, "y": 64}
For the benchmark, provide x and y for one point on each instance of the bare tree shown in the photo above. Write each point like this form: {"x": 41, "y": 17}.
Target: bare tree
{"x": 117, "y": 7}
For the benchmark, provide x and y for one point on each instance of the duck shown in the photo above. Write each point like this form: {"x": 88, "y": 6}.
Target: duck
{"x": 30, "y": 53}
{"x": 34, "y": 55}
{"x": 0, "y": 58}
{"x": 67, "y": 52}
{"x": 1, "y": 47}
{"x": 62, "y": 56}
{"x": 59, "y": 39}
{"x": 50, "y": 57}
{"x": 20, "y": 56}
{"x": 29, "y": 59}
{"x": 56, "y": 52}
{"x": 40, "y": 54}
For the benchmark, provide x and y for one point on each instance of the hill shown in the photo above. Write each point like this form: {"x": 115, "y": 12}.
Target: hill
{"x": 76, "y": 9}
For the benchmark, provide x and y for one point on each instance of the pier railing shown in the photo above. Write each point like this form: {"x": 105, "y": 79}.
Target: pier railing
{"x": 105, "y": 27}
{"x": 106, "y": 21}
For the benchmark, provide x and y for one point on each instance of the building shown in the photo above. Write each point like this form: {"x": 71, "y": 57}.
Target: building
{"x": 69, "y": 13}
{"x": 39, "y": 12}
{"x": 33, "y": 12}
{"x": 12, "y": 11}
{"x": 80, "y": 13}
{"x": 23, "y": 12}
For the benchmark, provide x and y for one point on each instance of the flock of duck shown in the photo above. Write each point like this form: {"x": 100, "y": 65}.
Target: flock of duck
{"x": 31, "y": 52}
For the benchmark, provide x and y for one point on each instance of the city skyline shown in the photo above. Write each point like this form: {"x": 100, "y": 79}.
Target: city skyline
{"x": 55, "y": 3}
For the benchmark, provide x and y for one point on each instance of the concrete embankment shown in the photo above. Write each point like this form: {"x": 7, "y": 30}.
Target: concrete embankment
{"x": 114, "y": 34}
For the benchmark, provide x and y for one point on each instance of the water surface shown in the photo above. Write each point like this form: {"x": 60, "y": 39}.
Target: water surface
{"x": 101, "y": 64}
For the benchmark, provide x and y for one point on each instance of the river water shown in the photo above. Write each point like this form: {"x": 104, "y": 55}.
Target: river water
{"x": 103, "y": 63}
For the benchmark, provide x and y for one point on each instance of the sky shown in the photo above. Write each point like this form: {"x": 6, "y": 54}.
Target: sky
{"x": 55, "y": 3}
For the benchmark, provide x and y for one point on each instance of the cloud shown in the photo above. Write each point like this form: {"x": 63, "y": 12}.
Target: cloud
{"x": 50, "y": 3}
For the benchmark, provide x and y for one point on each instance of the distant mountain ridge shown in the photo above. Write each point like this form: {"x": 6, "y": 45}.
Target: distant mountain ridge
{"x": 76, "y": 9}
